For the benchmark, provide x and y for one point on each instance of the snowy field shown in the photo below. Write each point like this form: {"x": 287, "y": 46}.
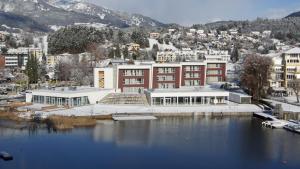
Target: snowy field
{"x": 285, "y": 106}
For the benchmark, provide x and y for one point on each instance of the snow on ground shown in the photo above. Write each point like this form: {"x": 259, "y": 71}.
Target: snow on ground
{"x": 99, "y": 109}
{"x": 291, "y": 99}
{"x": 285, "y": 106}
{"x": 161, "y": 46}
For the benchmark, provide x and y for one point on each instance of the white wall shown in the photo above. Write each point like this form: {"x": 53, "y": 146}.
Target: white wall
{"x": 108, "y": 77}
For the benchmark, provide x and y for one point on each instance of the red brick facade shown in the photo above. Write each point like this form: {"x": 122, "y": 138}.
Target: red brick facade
{"x": 170, "y": 76}
{"x": 222, "y": 69}
{"x": 175, "y": 74}
{"x": 201, "y": 73}
{"x": 2, "y": 62}
{"x": 144, "y": 77}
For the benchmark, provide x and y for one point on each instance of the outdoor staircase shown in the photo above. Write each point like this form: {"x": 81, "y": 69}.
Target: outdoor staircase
{"x": 125, "y": 99}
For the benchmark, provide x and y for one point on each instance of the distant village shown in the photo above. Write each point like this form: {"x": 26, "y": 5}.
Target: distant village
{"x": 159, "y": 67}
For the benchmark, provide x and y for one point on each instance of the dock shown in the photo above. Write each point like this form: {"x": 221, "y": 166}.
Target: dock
{"x": 265, "y": 116}
{"x": 133, "y": 117}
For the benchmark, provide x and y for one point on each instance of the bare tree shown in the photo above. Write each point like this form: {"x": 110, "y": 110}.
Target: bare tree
{"x": 63, "y": 71}
{"x": 255, "y": 74}
{"x": 99, "y": 52}
{"x": 295, "y": 85}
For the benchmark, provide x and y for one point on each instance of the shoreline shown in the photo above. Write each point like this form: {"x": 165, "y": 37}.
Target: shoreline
{"x": 61, "y": 123}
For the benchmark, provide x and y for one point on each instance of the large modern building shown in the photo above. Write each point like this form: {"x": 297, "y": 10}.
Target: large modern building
{"x": 135, "y": 78}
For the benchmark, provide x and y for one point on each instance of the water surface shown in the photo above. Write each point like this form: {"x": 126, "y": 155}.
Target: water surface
{"x": 181, "y": 143}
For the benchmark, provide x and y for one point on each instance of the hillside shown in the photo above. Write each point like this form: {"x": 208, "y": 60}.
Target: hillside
{"x": 295, "y": 14}
{"x": 10, "y": 21}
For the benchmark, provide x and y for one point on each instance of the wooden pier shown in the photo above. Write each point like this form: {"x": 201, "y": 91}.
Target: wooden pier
{"x": 133, "y": 117}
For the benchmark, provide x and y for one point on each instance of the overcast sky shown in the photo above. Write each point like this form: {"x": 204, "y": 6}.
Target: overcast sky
{"x": 188, "y": 12}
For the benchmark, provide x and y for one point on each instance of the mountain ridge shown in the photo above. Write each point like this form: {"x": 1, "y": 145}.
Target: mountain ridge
{"x": 68, "y": 12}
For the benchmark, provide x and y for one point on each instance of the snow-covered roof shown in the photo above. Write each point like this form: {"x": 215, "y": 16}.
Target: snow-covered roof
{"x": 293, "y": 51}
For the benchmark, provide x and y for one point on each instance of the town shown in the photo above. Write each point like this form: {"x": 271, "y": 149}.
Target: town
{"x": 187, "y": 69}
{"x": 149, "y": 84}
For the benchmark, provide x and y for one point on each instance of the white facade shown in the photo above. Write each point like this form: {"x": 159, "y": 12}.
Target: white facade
{"x": 104, "y": 78}
{"x": 71, "y": 97}
{"x": 186, "y": 54}
{"x": 166, "y": 56}
{"x": 239, "y": 98}
{"x": 217, "y": 55}
{"x": 188, "y": 97}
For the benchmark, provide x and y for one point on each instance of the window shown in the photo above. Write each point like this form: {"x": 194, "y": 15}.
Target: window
{"x": 133, "y": 72}
{"x": 133, "y": 81}
{"x": 166, "y": 70}
{"x": 166, "y": 85}
{"x": 214, "y": 72}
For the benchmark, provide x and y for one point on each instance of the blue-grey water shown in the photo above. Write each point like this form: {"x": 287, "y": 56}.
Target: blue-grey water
{"x": 183, "y": 143}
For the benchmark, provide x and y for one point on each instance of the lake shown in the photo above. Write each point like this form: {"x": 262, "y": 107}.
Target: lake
{"x": 183, "y": 143}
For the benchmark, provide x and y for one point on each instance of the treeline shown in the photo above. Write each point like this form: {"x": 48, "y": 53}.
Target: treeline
{"x": 76, "y": 39}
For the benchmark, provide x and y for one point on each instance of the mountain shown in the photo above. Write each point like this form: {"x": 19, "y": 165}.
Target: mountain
{"x": 295, "y": 14}
{"x": 67, "y": 12}
{"x": 12, "y": 21}
{"x": 107, "y": 15}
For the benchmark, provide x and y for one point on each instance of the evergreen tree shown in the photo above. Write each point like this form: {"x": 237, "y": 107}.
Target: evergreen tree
{"x": 140, "y": 37}
{"x": 234, "y": 55}
{"x": 43, "y": 68}
{"x": 118, "y": 51}
{"x": 121, "y": 38}
{"x": 155, "y": 49}
{"x": 125, "y": 52}
{"x": 4, "y": 50}
{"x": 32, "y": 69}
{"x": 111, "y": 53}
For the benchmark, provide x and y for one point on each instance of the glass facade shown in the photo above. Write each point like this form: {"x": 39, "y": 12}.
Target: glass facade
{"x": 61, "y": 101}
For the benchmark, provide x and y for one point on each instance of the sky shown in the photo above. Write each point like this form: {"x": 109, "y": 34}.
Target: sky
{"x": 188, "y": 12}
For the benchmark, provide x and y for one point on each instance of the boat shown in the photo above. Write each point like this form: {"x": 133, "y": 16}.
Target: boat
{"x": 293, "y": 127}
{"x": 294, "y": 121}
{"x": 277, "y": 124}
{"x": 5, "y": 156}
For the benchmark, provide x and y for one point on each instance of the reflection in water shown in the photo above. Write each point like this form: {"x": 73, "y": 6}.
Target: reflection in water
{"x": 204, "y": 134}
{"x": 165, "y": 131}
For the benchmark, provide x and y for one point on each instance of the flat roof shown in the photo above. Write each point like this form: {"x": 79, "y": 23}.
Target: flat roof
{"x": 187, "y": 90}
{"x": 240, "y": 94}
{"x": 67, "y": 90}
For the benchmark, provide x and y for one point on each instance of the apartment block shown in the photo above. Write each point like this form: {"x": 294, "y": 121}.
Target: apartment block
{"x": 291, "y": 60}
{"x": 135, "y": 78}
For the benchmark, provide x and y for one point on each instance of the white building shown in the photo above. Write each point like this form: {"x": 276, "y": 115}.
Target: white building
{"x": 217, "y": 55}
{"x": 233, "y": 31}
{"x": 16, "y": 58}
{"x": 69, "y": 97}
{"x": 187, "y": 96}
{"x": 166, "y": 56}
{"x": 200, "y": 31}
{"x": 277, "y": 73}
{"x": 192, "y": 30}
{"x": 187, "y": 54}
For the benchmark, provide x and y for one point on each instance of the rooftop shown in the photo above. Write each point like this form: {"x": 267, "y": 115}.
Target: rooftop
{"x": 187, "y": 90}
{"x": 293, "y": 51}
{"x": 70, "y": 90}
